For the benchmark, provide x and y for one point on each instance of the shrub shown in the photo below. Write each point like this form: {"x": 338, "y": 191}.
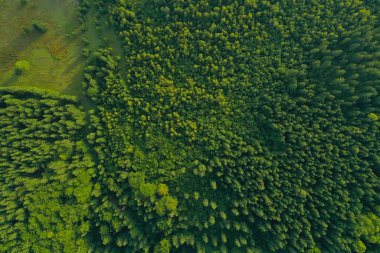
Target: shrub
{"x": 24, "y": 2}
{"x": 21, "y": 67}
{"x": 39, "y": 27}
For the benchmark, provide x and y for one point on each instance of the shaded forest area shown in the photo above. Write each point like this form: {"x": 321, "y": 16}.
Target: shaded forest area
{"x": 218, "y": 126}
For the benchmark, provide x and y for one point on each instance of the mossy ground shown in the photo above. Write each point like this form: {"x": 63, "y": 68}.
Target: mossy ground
{"x": 55, "y": 56}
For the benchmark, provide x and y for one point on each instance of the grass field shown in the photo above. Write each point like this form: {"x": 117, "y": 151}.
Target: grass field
{"x": 55, "y": 57}
{"x": 100, "y": 34}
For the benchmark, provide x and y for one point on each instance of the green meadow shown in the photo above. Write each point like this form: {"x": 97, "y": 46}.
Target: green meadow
{"x": 54, "y": 55}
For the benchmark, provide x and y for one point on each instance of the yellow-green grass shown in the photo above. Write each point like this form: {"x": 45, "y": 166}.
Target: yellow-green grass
{"x": 55, "y": 56}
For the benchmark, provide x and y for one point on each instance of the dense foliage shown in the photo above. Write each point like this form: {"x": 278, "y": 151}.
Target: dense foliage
{"x": 45, "y": 173}
{"x": 261, "y": 118}
{"x": 219, "y": 126}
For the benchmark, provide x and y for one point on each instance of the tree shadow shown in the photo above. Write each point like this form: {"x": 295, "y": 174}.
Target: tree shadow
{"x": 9, "y": 82}
{"x": 75, "y": 86}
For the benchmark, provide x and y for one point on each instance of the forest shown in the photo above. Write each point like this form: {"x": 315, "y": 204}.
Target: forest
{"x": 197, "y": 126}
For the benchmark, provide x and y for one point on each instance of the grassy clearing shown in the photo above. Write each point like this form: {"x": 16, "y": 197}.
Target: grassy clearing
{"x": 100, "y": 34}
{"x": 55, "y": 56}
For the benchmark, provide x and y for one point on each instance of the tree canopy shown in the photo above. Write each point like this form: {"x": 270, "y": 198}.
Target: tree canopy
{"x": 260, "y": 117}
{"x": 212, "y": 126}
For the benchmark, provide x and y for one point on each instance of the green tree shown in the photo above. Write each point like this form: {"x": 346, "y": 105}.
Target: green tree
{"x": 22, "y": 67}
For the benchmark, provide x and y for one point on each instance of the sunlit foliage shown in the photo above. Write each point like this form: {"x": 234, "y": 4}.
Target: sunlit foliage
{"x": 261, "y": 117}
